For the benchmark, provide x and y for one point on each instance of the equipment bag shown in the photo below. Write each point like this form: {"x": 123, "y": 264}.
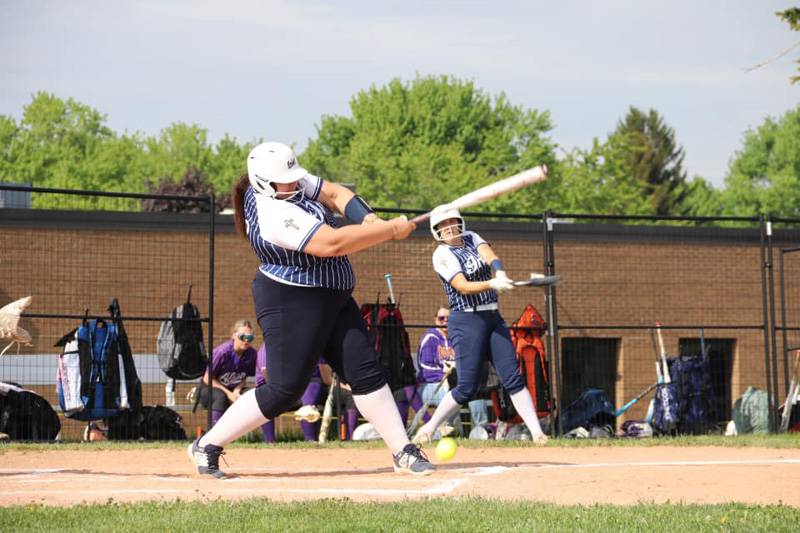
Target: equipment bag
{"x": 152, "y": 422}
{"x": 390, "y": 341}
{"x": 751, "y": 412}
{"x": 697, "y": 409}
{"x": 25, "y": 415}
{"x": 181, "y": 352}
{"x": 96, "y": 375}
{"x": 592, "y": 408}
{"x": 526, "y": 335}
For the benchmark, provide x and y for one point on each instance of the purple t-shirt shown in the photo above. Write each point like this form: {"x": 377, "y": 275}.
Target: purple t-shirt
{"x": 231, "y": 369}
{"x": 434, "y": 349}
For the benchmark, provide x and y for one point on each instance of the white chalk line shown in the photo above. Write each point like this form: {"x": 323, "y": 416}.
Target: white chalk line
{"x": 444, "y": 487}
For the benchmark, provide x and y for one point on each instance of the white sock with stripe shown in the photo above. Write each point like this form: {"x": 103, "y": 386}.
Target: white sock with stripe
{"x": 242, "y": 416}
{"x": 524, "y": 405}
{"x": 380, "y": 410}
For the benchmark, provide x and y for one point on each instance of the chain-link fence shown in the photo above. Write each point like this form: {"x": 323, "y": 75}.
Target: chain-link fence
{"x": 704, "y": 288}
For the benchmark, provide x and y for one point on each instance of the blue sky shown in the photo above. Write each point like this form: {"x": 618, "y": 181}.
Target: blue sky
{"x": 270, "y": 69}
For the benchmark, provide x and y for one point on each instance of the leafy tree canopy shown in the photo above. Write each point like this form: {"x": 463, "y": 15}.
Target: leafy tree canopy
{"x": 421, "y": 143}
{"x": 764, "y": 176}
{"x": 654, "y": 159}
{"x": 66, "y": 144}
{"x": 792, "y": 17}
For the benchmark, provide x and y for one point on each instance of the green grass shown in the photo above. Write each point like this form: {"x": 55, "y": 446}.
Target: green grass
{"x": 786, "y": 440}
{"x": 429, "y": 515}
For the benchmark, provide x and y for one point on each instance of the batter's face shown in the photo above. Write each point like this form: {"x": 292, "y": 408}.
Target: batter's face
{"x": 450, "y": 230}
{"x": 285, "y": 190}
{"x": 242, "y": 339}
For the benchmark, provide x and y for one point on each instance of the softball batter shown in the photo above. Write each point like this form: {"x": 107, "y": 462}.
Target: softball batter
{"x": 464, "y": 263}
{"x": 303, "y": 303}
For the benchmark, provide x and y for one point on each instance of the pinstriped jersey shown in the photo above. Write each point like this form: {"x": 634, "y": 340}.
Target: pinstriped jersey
{"x": 279, "y": 230}
{"x": 449, "y": 261}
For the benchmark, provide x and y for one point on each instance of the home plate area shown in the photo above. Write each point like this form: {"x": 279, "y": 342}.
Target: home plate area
{"x": 605, "y": 475}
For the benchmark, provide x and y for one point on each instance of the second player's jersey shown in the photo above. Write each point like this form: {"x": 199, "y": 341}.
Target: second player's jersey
{"x": 449, "y": 261}
{"x": 279, "y": 230}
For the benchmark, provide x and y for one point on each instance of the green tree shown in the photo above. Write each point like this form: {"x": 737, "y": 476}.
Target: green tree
{"x": 792, "y": 17}
{"x": 764, "y": 176}
{"x": 654, "y": 158}
{"x": 421, "y": 143}
{"x": 599, "y": 181}
{"x": 701, "y": 199}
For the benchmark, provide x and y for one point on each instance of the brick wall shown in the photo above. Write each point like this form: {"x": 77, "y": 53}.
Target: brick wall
{"x": 611, "y": 276}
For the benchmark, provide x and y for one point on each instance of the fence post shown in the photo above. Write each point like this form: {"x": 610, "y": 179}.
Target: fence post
{"x": 766, "y": 231}
{"x": 552, "y": 323}
{"x": 212, "y": 222}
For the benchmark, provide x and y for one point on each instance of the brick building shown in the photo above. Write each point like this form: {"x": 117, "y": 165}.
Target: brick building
{"x": 617, "y": 281}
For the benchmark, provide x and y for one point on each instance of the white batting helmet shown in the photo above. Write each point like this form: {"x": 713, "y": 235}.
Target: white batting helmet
{"x": 445, "y": 212}
{"x": 270, "y": 163}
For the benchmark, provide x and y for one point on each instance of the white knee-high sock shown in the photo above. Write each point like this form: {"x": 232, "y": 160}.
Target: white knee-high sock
{"x": 242, "y": 416}
{"x": 443, "y": 412}
{"x": 380, "y": 410}
{"x": 524, "y": 405}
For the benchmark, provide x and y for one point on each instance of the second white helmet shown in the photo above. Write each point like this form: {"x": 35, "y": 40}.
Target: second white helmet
{"x": 442, "y": 213}
{"x": 270, "y": 163}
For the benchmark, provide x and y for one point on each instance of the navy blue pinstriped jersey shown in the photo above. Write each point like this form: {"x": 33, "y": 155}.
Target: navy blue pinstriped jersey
{"x": 279, "y": 230}
{"x": 449, "y": 261}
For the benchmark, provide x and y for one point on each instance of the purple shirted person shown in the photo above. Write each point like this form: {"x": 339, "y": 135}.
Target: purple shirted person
{"x": 231, "y": 363}
{"x": 312, "y": 396}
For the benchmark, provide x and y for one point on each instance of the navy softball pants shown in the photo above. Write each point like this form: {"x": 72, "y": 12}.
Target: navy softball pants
{"x": 300, "y": 324}
{"x": 476, "y": 336}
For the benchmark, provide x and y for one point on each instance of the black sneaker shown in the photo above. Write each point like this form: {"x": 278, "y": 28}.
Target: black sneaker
{"x": 413, "y": 461}
{"x": 206, "y": 459}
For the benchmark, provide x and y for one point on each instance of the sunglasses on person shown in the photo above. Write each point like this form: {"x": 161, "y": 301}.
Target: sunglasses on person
{"x": 443, "y": 318}
{"x": 246, "y": 337}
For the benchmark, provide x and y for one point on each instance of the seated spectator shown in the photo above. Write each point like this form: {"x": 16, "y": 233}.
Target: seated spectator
{"x": 231, "y": 363}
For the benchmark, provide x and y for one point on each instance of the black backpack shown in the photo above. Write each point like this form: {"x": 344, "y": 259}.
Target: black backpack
{"x": 181, "y": 352}
{"x": 389, "y": 338}
{"x": 152, "y": 422}
{"x": 24, "y": 415}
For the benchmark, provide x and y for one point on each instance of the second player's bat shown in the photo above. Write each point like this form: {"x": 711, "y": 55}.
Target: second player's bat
{"x": 538, "y": 281}
{"x": 493, "y": 190}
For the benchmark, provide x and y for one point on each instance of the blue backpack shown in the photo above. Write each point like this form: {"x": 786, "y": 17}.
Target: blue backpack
{"x": 96, "y": 373}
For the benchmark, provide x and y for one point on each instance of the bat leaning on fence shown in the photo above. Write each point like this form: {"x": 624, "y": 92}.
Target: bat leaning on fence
{"x": 794, "y": 391}
{"x": 418, "y": 416}
{"x": 632, "y": 402}
{"x": 327, "y": 412}
{"x": 493, "y": 190}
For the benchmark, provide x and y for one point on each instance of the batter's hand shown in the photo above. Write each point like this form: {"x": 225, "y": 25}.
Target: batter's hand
{"x": 501, "y": 282}
{"x": 401, "y": 228}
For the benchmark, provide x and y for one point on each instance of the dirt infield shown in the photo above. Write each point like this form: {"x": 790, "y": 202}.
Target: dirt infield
{"x": 606, "y": 475}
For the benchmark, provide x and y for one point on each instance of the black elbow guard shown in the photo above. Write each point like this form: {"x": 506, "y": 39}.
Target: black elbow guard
{"x": 356, "y": 209}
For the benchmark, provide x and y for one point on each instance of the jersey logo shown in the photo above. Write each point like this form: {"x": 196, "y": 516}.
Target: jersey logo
{"x": 471, "y": 265}
{"x": 289, "y": 223}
